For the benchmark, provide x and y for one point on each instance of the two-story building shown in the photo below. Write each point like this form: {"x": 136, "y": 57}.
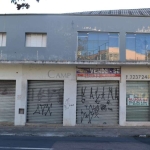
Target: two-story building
{"x": 86, "y": 68}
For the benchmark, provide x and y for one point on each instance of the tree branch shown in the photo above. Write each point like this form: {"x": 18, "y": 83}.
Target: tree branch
{"x": 23, "y": 5}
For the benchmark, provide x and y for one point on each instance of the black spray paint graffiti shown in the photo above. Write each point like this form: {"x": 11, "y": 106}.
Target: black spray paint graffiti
{"x": 6, "y": 91}
{"x": 94, "y": 94}
{"x": 44, "y": 109}
{"x": 49, "y": 94}
{"x": 40, "y": 94}
{"x": 92, "y": 111}
{"x": 83, "y": 94}
{"x": 102, "y": 101}
{"x": 58, "y": 93}
{"x": 103, "y": 95}
{"x": 44, "y": 97}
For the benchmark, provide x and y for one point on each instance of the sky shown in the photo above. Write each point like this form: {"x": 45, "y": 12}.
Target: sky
{"x": 65, "y": 6}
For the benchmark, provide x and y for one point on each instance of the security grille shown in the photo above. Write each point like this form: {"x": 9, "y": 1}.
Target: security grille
{"x": 7, "y": 101}
{"x": 98, "y": 102}
{"x": 45, "y": 102}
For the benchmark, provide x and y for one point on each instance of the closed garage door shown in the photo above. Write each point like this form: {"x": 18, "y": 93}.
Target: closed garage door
{"x": 7, "y": 101}
{"x": 45, "y": 102}
{"x": 98, "y": 102}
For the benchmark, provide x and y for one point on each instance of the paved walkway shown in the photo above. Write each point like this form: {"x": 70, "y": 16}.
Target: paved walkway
{"x": 35, "y": 130}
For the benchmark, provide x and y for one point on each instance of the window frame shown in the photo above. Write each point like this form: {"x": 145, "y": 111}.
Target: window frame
{"x": 35, "y": 34}
{"x": 135, "y": 47}
{"x": 98, "y": 32}
{"x": 1, "y": 42}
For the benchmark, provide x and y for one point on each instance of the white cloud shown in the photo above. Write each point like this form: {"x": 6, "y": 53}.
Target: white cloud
{"x": 62, "y": 6}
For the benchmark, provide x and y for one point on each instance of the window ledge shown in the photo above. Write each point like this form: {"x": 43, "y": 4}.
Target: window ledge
{"x": 118, "y": 63}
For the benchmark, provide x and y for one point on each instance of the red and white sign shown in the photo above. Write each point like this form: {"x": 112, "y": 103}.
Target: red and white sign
{"x": 138, "y": 102}
{"x": 98, "y": 72}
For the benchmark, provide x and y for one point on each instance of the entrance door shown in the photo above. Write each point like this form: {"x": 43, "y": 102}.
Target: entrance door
{"x": 7, "y": 101}
{"x": 45, "y": 102}
{"x": 98, "y": 102}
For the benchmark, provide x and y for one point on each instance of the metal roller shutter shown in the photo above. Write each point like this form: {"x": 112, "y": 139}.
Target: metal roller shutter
{"x": 45, "y": 102}
{"x": 138, "y": 89}
{"x": 7, "y": 101}
{"x": 98, "y": 102}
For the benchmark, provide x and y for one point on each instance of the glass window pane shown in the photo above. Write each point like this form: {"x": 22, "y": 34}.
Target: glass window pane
{"x": 113, "y": 47}
{"x": 130, "y": 47}
{"x": 28, "y": 40}
{"x": 33, "y": 40}
{"x": 4, "y": 39}
{"x": 138, "y": 47}
{"x": 113, "y": 35}
{"x": 39, "y": 40}
{"x": 36, "y": 40}
{"x": 96, "y": 46}
{"x": 137, "y": 101}
{"x": 113, "y": 41}
{"x": 1, "y": 39}
{"x": 93, "y": 36}
{"x": 130, "y": 35}
{"x": 103, "y": 37}
{"x": 82, "y": 34}
{"x": 130, "y": 43}
{"x": 44, "y": 40}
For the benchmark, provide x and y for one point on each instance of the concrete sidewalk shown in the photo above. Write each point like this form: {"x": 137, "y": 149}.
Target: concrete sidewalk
{"x": 75, "y": 131}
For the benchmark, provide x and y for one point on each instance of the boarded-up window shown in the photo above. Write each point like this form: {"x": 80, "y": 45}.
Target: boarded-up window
{"x": 36, "y": 39}
{"x": 2, "y": 39}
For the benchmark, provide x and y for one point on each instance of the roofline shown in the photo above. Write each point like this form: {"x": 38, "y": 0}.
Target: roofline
{"x": 29, "y": 14}
{"x": 88, "y": 13}
{"x": 78, "y": 15}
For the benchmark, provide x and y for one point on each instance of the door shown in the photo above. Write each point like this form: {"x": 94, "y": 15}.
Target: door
{"x": 45, "y": 102}
{"x": 98, "y": 102}
{"x": 7, "y": 101}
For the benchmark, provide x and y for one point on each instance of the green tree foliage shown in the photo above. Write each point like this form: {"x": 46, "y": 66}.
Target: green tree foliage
{"x": 22, "y": 5}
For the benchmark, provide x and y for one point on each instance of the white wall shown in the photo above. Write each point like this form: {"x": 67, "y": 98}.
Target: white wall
{"x": 125, "y": 76}
{"x": 23, "y": 73}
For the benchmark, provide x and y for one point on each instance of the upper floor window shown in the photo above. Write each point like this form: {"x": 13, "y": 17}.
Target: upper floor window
{"x": 98, "y": 46}
{"x": 2, "y": 39}
{"x": 36, "y": 39}
{"x": 137, "y": 47}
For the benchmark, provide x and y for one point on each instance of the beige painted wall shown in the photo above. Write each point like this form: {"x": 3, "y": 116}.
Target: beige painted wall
{"x": 23, "y": 73}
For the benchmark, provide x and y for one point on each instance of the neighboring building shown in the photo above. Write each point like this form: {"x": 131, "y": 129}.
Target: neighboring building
{"x": 87, "y": 68}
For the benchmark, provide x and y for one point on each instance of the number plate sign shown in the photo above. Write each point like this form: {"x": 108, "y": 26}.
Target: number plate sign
{"x": 135, "y": 77}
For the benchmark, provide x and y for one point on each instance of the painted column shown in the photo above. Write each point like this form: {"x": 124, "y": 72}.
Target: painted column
{"x": 69, "y": 109}
{"x": 20, "y": 101}
{"x": 122, "y": 100}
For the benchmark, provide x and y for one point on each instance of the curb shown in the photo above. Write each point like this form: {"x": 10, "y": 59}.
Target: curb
{"x": 141, "y": 132}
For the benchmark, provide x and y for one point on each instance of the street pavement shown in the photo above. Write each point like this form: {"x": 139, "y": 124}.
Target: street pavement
{"x": 73, "y": 143}
{"x": 77, "y": 131}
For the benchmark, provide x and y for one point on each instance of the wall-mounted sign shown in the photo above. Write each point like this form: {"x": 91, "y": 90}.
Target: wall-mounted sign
{"x": 137, "y": 77}
{"x": 98, "y": 72}
{"x": 137, "y": 101}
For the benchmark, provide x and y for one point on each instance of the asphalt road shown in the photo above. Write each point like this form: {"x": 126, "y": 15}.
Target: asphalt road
{"x": 73, "y": 143}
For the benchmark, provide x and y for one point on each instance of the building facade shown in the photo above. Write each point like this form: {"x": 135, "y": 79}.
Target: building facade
{"x": 88, "y": 68}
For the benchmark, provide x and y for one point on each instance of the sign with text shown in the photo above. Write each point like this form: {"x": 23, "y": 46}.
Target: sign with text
{"x": 138, "y": 102}
{"x": 98, "y": 72}
{"x": 137, "y": 77}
